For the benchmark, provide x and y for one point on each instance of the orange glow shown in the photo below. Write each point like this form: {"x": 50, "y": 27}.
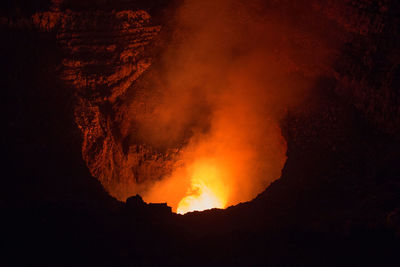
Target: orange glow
{"x": 205, "y": 191}
{"x": 224, "y": 84}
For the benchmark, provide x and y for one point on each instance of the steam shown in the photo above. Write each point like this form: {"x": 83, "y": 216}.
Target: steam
{"x": 229, "y": 75}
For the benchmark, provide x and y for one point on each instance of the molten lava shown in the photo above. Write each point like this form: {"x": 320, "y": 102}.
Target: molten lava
{"x": 205, "y": 191}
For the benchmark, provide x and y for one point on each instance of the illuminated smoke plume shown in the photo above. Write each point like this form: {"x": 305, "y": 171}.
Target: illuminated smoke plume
{"x": 232, "y": 70}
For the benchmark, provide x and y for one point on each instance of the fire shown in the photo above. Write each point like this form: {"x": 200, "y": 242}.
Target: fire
{"x": 205, "y": 192}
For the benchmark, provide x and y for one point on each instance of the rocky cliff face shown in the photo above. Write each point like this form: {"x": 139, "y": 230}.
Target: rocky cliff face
{"x": 103, "y": 57}
{"x": 369, "y": 69}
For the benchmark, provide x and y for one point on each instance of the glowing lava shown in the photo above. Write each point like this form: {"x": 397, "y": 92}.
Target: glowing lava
{"x": 205, "y": 192}
{"x": 200, "y": 198}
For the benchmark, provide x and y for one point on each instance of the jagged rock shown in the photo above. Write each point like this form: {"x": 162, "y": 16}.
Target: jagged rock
{"x": 368, "y": 71}
{"x": 136, "y": 204}
{"x": 103, "y": 58}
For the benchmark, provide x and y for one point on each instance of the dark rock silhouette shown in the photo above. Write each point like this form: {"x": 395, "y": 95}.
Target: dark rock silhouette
{"x": 136, "y": 204}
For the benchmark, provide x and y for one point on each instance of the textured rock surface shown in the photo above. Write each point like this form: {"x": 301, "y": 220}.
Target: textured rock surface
{"x": 368, "y": 74}
{"x": 103, "y": 57}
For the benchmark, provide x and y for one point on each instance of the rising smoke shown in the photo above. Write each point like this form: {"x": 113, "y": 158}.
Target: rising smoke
{"x": 231, "y": 71}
